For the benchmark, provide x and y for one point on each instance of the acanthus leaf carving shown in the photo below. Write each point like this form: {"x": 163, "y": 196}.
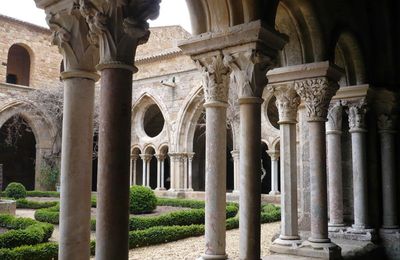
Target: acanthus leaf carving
{"x": 119, "y": 27}
{"x": 335, "y": 114}
{"x": 317, "y": 94}
{"x": 356, "y": 112}
{"x": 386, "y": 123}
{"x": 249, "y": 70}
{"x": 287, "y": 101}
{"x": 216, "y": 77}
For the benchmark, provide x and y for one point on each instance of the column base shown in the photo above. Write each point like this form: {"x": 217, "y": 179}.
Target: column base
{"x": 274, "y": 192}
{"x": 295, "y": 242}
{"x": 190, "y": 189}
{"x": 236, "y": 192}
{"x": 160, "y": 189}
{"x": 390, "y": 227}
{"x": 356, "y": 233}
{"x": 212, "y": 257}
{"x": 310, "y": 249}
{"x": 334, "y": 227}
{"x": 387, "y": 231}
{"x": 389, "y": 238}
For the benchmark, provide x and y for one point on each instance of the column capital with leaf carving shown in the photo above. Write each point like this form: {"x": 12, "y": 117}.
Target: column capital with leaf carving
{"x": 356, "y": 111}
{"x": 386, "y": 123}
{"x": 118, "y": 27}
{"x": 70, "y": 33}
{"x": 335, "y": 114}
{"x": 146, "y": 157}
{"x": 287, "y": 101}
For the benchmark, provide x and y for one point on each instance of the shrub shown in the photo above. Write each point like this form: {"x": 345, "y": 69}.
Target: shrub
{"x": 15, "y": 190}
{"x": 50, "y": 174}
{"x": 142, "y": 200}
{"x": 29, "y": 204}
{"x": 49, "y": 215}
{"x": 39, "y": 193}
{"x": 32, "y": 252}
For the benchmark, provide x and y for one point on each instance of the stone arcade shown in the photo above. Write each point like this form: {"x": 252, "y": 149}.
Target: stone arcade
{"x": 315, "y": 81}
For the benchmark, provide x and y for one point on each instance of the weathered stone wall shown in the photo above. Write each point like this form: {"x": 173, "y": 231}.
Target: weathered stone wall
{"x": 45, "y": 59}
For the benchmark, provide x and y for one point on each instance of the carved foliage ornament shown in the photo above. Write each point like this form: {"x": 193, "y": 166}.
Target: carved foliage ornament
{"x": 69, "y": 33}
{"x": 215, "y": 78}
{"x": 249, "y": 70}
{"x": 119, "y": 26}
{"x": 386, "y": 123}
{"x": 335, "y": 114}
{"x": 357, "y": 115}
{"x": 317, "y": 94}
{"x": 287, "y": 101}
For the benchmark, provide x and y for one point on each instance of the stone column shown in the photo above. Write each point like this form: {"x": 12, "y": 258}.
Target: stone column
{"x": 249, "y": 67}
{"x": 162, "y": 185}
{"x": 236, "y": 175}
{"x": 160, "y": 175}
{"x": 118, "y": 28}
{"x": 274, "y": 155}
{"x": 287, "y": 102}
{"x": 134, "y": 158}
{"x": 190, "y": 169}
{"x": 215, "y": 83}
{"x": 186, "y": 171}
{"x": 317, "y": 93}
{"x": 389, "y": 180}
{"x": 70, "y": 34}
{"x": 334, "y": 163}
{"x": 148, "y": 170}
{"x": 1, "y": 177}
{"x": 145, "y": 158}
{"x": 358, "y": 132}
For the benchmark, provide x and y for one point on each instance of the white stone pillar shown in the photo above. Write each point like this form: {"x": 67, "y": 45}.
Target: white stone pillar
{"x": 287, "y": 102}
{"x": 186, "y": 171}
{"x": 274, "y": 155}
{"x": 134, "y": 158}
{"x": 160, "y": 170}
{"x": 317, "y": 93}
{"x": 162, "y": 184}
{"x": 70, "y": 33}
{"x": 358, "y": 132}
{"x": 148, "y": 171}
{"x": 145, "y": 171}
{"x": 334, "y": 163}
{"x": 216, "y": 78}
{"x": 190, "y": 169}
{"x": 389, "y": 179}
{"x": 236, "y": 175}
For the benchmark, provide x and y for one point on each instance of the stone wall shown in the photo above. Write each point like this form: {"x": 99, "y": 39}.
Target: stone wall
{"x": 45, "y": 59}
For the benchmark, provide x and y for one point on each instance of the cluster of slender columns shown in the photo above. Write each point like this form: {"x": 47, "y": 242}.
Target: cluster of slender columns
{"x": 274, "y": 155}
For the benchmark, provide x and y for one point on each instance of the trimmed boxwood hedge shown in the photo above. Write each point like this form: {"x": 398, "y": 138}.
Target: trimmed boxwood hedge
{"x": 42, "y": 251}
{"x": 38, "y": 193}
{"x": 23, "y": 231}
{"x": 15, "y": 190}
{"x": 49, "y": 215}
{"x": 30, "y": 204}
{"x": 141, "y": 200}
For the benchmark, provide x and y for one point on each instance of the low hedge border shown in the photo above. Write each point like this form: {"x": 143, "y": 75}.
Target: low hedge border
{"x": 30, "y": 204}
{"x": 23, "y": 231}
{"x": 38, "y": 193}
{"x": 32, "y": 252}
{"x": 49, "y": 215}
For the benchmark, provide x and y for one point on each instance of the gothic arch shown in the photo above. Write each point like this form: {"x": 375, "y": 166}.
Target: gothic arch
{"x": 348, "y": 55}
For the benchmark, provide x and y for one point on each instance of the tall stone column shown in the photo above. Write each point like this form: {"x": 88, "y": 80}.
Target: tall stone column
{"x": 148, "y": 170}
{"x": 186, "y": 171}
{"x": 1, "y": 176}
{"x": 145, "y": 158}
{"x": 70, "y": 34}
{"x": 274, "y": 155}
{"x": 287, "y": 102}
{"x": 236, "y": 176}
{"x": 215, "y": 83}
{"x": 134, "y": 158}
{"x": 387, "y": 133}
{"x": 249, "y": 68}
{"x": 162, "y": 184}
{"x": 358, "y": 132}
{"x": 118, "y": 27}
{"x": 160, "y": 176}
{"x": 317, "y": 93}
{"x": 334, "y": 162}
{"x": 190, "y": 170}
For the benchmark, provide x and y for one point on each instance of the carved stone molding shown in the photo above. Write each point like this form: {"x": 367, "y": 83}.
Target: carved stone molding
{"x": 317, "y": 94}
{"x": 249, "y": 70}
{"x": 356, "y": 112}
{"x": 119, "y": 27}
{"x": 386, "y": 124}
{"x": 215, "y": 77}
{"x": 287, "y": 101}
{"x": 70, "y": 34}
{"x": 335, "y": 114}
{"x": 274, "y": 155}
{"x": 160, "y": 157}
{"x": 146, "y": 157}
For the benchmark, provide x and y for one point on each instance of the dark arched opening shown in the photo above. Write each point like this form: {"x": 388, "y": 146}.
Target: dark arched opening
{"x": 265, "y": 172}
{"x": 18, "y": 152}
{"x": 153, "y": 168}
{"x": 18, "y": 65}
{"x": 153, "y": 121}
{"x": 199, "y": 159}
{"x": 229, "y": 161}
{"x": 95, "y": 161}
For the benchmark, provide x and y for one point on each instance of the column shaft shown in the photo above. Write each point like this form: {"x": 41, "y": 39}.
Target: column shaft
{"x": 148, "y": 172}
{"x": 236, "y": 175}
{"x": 274, "y": 177}
{"x": 158, "y": 173}
{"x": 114, "y": 155}
{"x": 134, "y": 172}
{"x": 76, "y": 168}
{"x": 215, "y": 190}
{"x": 250, "y": 181}
{"x": 162, "y": 175}
{"x": 144, "y": 166}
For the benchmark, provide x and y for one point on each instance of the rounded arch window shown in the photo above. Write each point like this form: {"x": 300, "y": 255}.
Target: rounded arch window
{"x": 272, "y": 112}
{"x": 153, "y": 121}
{"x": 18, "y": 65}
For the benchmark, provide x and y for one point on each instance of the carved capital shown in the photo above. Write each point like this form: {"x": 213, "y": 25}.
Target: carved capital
{"x": 160, "y": 157}
{"x": 70, "y": 33}
{"x": 334, "y": 123}
{"x": 386, "y": 124}
{"x": 119, "y": 27}
{"x": 287, "y": 101}
{"x": 249, "y": 70}
{"x": 215, "y": 78}
{"x": 190, "y": 156}
{"x": 146, "y": 157}
{"x": 134, "y": 156}
{"x": 317, "y": 94}
{"x": 274, "y": 155}
{"x": 356, "y": 112}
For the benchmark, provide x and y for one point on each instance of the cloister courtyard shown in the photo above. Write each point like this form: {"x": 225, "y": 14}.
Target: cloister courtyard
{"x": 269, "y": 131}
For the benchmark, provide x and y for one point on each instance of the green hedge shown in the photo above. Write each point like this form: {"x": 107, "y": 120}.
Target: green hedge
{"x": 44, "y": 251}
{"x": 49, "y": 215}
{"x": 186, "y": 203}
{"x": 23, "y": 231}
{"x": 15, "y": 190}
{"x": 38, "y": 193}
{"x": 141, "y": 200}
{"x": 29, "y": 204}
